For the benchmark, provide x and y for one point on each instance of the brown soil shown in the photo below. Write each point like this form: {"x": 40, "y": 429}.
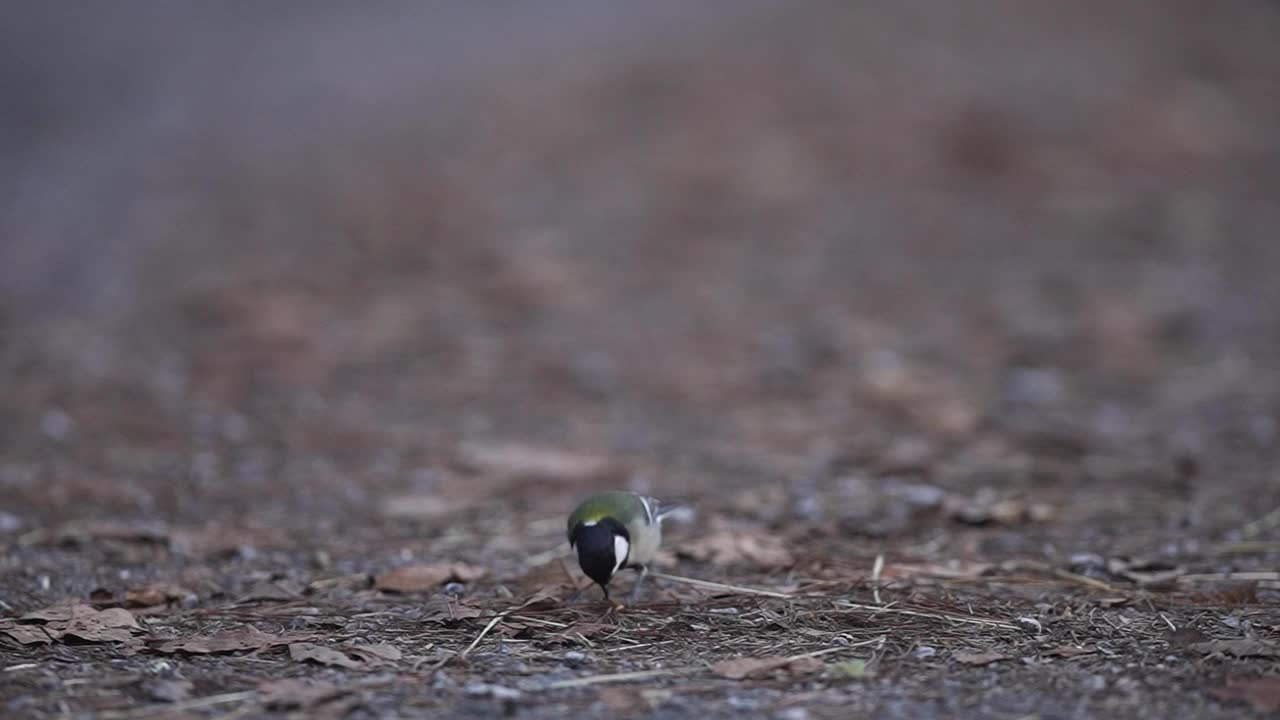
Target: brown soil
{"x": 958, "y": 334}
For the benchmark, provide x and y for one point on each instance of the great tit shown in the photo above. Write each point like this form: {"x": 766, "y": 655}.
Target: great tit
{"x": 616, "y": 530}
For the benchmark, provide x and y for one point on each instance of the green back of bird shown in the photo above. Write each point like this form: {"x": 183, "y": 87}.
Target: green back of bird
{"x": 625, "y": 507}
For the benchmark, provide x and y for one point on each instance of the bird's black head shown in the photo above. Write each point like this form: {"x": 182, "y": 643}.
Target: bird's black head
{"x": 603, "y": 547}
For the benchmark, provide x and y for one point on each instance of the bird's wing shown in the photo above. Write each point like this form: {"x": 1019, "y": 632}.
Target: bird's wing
{"x": 658, "y": 509}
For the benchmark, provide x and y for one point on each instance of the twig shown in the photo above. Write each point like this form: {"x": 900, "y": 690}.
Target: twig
{"x": 1266, "y": 522}
{"x": 620, "y": 677}
{"x": 497, "y": 619}
{"x": 876, "y": 568}
{"x": 876, "y": 609}
{"x": 178, "y": 707}
{"x": 1245, "y": 547}
{"x": 1219, "y": 577}
{"x": 708, "y": 585}
{"x": 1085, "y": 580}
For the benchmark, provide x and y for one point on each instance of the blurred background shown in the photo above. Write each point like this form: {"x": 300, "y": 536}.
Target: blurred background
{"x": 304, "y": 262}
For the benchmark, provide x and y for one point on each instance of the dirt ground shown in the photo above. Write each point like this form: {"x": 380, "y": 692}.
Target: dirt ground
{"x": 958, "y": 334}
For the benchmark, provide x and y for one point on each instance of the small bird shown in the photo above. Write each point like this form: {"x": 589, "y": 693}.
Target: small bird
{"x": 616, "y": 530}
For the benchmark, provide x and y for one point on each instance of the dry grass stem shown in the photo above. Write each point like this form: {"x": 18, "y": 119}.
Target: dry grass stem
{"x": 722, "y": 587}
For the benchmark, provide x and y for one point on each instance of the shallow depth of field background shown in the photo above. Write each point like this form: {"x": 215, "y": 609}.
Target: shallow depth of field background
{"x": 373, "y": 272}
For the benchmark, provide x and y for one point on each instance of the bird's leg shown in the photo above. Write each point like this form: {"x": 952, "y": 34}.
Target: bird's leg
{"x": 635, "y": 591}
{"x": 613, "y": 604}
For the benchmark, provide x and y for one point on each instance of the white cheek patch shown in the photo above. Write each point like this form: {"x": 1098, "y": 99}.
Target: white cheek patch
{"x": 620, "y": 549}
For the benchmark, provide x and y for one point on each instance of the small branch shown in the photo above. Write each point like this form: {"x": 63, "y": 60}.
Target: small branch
{"x": 496, "y": 619}
{"x": 1232, "y": 576}
{"x": 875, "y": 610}
{"x": 172, "y": 709}
{"x": 708, "y": 585}
{"x": 876, "y": 569}
{"x": 1086, "y": 580}
{"x": 620, "y": 677}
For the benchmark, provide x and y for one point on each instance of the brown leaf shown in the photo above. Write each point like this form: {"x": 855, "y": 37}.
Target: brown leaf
{"x": 739, "y": 668}
{"x": 270, "y": 591}
{"x": 443, "y": 610}
{"x": 375, "y": 654}
{"x": 357, "y": 581}
{"x": 1237, "y": 648}
{"x": 294, "y": 694}
{"x": 735, "y": 547}
{"x": 26, "y": 634}
{"x": 423, "y": 576}
{"x": 157, "y": 594}
{"x": 82, "y": 622}
{"x": 513, "y": 460}
{"x": 978, "y": 659}
{"x": 806, "y": 666}
{"x": 1263, "y": 693}
{"x": 302, "y": 652}
{"x": 84, "y": 533}
{"x": 419, "y": 506}
{"x": 246, "y": 638}
{"x": 951, "y": 569}
{"x": 743, "y": 667}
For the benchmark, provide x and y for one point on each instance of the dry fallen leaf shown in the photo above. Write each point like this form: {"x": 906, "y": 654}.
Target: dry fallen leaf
{"x": 728, "y": 547}
{"x": 1237, "y": 648}
{"x": 272, "y": 591}
{"x": 81, "y": 622}
{"x": 157, "y": 594}
{"x": 320, "y": 654}
{"x": 443, "y": 609}
{"x": 427, "y": 576}
{"x": 246, "y": 638}
{"x": 375, "y": 654}
{"x": 806, "y": 666}
{"x": 950, "y": 569}
{"x": 419, "y": 506}
{"x": 1263, "y": 693}
{"x": 979, "y": 659}
{"x": 84, "y": 533}
{"x": 513, "y": 460}
{"x": 743, "y": 667}
{"x": 549, "y": 581}
{"x": 739, "y": 668}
